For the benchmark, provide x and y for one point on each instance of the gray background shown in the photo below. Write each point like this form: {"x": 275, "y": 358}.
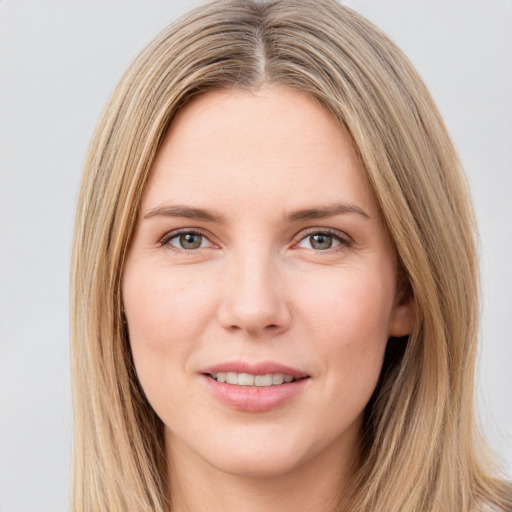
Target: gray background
{"x": 58, "y": 63}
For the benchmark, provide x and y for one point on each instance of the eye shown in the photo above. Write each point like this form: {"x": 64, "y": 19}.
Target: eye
{"x": 322, "y": 241}
{"x": 186, "y": 240}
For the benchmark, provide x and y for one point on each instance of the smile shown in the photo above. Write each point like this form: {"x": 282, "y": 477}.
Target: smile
{"x": 254, "y": 386}
{"x": 248, "y": 379}
{"x": 255, "y": 397}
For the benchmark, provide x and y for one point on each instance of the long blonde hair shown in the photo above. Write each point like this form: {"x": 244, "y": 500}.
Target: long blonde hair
{"x": 422, "y": 451}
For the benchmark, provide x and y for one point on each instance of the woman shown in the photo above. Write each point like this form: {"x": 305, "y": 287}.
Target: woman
{"x": 274, "y": 278}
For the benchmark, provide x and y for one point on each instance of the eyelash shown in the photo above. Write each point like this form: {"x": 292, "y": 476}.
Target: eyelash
{"x": 165, "y": 241}
{"x": 343, "y": 240}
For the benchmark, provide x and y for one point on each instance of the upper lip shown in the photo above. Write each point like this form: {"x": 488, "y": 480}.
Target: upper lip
{"x": 255, "y": 368}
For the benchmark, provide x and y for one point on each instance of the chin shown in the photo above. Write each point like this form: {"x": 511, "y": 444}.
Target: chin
{"x": 270, "y": 451}
{"x": 259, "y": 463}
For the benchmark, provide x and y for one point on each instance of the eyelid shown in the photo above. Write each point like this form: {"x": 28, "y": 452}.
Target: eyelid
{"x": 344, "y": 239}
{"x": 164, "y": 241}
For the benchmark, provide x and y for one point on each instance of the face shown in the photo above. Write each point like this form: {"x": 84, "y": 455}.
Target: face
{"x": 260, "y": 286}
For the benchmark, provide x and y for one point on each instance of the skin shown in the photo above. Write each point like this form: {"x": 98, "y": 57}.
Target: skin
{"x": 259, "y": 288}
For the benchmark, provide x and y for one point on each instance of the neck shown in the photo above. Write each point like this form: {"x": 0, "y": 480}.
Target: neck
{"x": 316, "y": 486}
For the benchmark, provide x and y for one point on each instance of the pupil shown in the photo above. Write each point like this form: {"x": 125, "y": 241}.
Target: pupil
{"x": 190, "y": 241}
{"x": 321, "y": 242}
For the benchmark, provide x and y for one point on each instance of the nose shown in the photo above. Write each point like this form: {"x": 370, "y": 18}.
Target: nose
{"x": 253, "y": 298}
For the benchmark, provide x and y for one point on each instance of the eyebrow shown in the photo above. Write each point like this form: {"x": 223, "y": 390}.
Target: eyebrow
{"x": 323, "y": 212}
{"x": 186, "y": 212}
{"x": 320, "y": 212}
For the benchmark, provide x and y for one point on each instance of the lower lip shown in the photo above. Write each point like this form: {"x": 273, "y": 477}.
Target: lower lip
{"x": 254, "y": 398}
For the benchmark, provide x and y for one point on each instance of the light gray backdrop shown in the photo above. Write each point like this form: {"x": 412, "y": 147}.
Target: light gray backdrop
{"x": 58, "y": 63}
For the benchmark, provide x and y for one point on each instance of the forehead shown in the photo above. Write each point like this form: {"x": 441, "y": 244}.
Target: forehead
{"x": 274, "y": 143}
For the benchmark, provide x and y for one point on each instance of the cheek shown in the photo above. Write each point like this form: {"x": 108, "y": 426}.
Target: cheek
{"x": 348, "y": 319}
{"x": 166, "y": 314}
{"x": 349, "y": 308}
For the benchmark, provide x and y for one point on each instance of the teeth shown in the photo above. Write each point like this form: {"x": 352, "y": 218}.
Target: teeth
{"x": 277, "y": 378}
{"x": 231, "y": 378}
{"x": 247, "y": 379}
{"x": 263, "y": 380}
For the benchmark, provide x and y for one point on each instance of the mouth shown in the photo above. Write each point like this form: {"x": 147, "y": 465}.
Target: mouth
{"x": 249, "y": 379}
{"x": 255, "y": 387}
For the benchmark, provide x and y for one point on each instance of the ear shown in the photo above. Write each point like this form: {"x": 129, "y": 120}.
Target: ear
{"x": 403, "y": 316}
